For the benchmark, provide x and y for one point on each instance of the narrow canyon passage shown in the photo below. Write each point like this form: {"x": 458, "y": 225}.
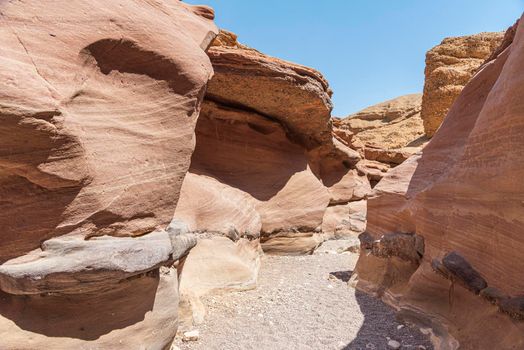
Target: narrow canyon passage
{"x": 164, "y": 186}
{"x": 303, "y": 302}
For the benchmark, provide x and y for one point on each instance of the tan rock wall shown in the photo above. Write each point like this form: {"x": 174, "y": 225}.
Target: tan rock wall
{"x": 449, "y": 67}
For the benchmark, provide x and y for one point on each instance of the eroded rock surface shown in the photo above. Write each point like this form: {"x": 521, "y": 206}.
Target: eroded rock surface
{"x": 98, "y": 109}
{"x": 385, "y": 134}
{"x": 295, "y": 95}
{"x": 392, "y": 124}
{"x": 463, "y": 195}
{"x": 254, "y": 177}
{"x": 449, "y": 67}
{"x": 267, "y": 163}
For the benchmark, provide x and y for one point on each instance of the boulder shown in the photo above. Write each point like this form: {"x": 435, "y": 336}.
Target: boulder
{"x": 220, "y": 264}
{"x": 216, "y": 265}
{"x": 346, "y": 220}
{"x": 291, "y": 243}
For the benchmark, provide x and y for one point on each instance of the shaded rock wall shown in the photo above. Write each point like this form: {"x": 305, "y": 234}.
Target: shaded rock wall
{"x": 462, "y": 195}
{"x": 97, "y": 112}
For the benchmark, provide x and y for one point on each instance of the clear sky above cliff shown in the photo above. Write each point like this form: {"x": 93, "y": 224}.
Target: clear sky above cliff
{"x": 370, "y": 51}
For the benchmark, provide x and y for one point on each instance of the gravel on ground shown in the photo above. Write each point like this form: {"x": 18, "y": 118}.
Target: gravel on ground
{"x": 302, "y": 302}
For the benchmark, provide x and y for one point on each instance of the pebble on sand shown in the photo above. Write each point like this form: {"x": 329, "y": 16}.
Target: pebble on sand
{"x": 393, "y": 344}
{"x": 191, "y": 335}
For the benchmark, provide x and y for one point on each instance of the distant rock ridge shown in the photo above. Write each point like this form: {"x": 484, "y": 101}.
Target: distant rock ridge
{"x": 385, "y": 134}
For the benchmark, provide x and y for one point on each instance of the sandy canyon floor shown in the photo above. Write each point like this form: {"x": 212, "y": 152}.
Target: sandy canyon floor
{"x": 303, "y": 302}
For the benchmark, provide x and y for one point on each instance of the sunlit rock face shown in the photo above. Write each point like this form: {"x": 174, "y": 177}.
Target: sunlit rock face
{"x": 393, "y": 124}
{"x": 462, "y": 195}
{"x": 449, "y": 67}
{"x": 386, "y": 134}
{"x": 296, "y": 96}
{"x": 98, "y": 110}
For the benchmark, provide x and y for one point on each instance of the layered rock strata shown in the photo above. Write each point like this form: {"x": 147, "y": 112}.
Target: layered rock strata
{"x": 462, "y": 194}
{"x": 98, "y": 106}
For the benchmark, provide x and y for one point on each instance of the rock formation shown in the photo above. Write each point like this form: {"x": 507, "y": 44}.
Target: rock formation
{"x": 141, "y": 158}
{"x": 90, "y": 181}
{"x": 216, "y": 265}
{"x": 449, "y": 66}
{"x": 266, "y": 163}
{"x": 386, "y": 134}
{"x": 392, "y": 124}
{"x": 461, "y": 200}
{"x": 267, "y": 172}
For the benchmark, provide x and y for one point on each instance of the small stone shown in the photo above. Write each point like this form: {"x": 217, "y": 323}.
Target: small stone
{"x": 399, "y": 327}
{"x": 353, "y": 280}
{"x": 174, "y": 347}
{"x": 330, "y": 286}
{"x": 393, "y": 344}
{"x": 493, "y": 295}
{"x": 462, "y": 270}
{"x": 421, "y": 347}
{"x": 191, "y": 335}
{"x": 514, "y": 307}
{"x": 354, "y": 248}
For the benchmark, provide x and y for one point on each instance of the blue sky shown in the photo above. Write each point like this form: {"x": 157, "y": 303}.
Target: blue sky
{"x": 369, "y": 51}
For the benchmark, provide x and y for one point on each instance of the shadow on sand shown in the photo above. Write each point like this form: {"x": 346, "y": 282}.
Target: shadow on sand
{"x": 379, "y": 324}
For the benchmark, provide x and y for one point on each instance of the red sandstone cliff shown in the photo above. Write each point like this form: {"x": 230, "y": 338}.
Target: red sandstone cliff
{"x": 444, "y": 233}
{"x": 98, "y": 106}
